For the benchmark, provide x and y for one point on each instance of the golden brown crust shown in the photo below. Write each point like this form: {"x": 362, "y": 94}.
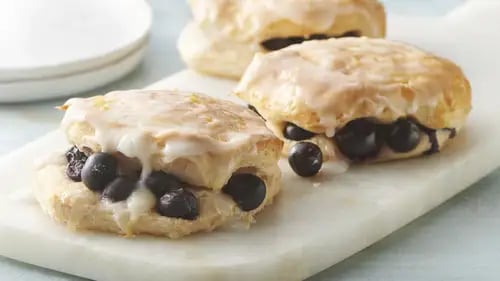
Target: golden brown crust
{"x": 320, "y": 86}
{"x": 201, "y": 139}
{"x": 225, "y": 34}
{"x": 373, "y": 26}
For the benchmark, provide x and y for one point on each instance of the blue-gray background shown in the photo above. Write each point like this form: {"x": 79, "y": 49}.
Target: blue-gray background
{"x": 458, "y": 241}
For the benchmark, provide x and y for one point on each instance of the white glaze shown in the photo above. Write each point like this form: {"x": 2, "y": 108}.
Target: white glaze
{"x": 135, "y": 122}
{"x": 178, "y": 132}
{"x": 140, "y": 201}
{"x": 226, "y": 34}
{"x": 246, "y": 18}
{"x": 317, "y": 72}
{"x": 125, "y": 213}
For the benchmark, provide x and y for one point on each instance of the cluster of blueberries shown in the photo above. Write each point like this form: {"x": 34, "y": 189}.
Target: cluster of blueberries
{"x": 100, "y": 172}
{"x": 278, "y": 43}
{"x": 358, "y": 140}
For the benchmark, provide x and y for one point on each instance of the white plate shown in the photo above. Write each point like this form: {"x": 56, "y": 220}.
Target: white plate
{"x": 65, "y": 85}
{"x": 308, "y": 228}
{"x": 50, "y": 39}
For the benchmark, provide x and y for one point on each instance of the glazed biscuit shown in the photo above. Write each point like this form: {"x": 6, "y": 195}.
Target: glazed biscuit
{"x": 163, "y": 163}
{"x": 225, "y": 34}
{"x": 359, "y": 99}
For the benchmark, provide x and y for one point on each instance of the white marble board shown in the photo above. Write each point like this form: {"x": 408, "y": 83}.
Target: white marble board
{"x": 309, "y": 228}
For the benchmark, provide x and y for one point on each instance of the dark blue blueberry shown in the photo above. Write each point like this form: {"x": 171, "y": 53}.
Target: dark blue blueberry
{"x": 274, "y": 44}
{"x": 74, "y": 170}
{"x": 403, "y": 135}
{"x": 247, "y": 190}
{"x": 353, "y": 33}
{"x": 360, "y": 139}
{"x": 75, "y": 154}
{"x": 160, "y": 183}
{"x": 305, "y": 159}
{"x": 296, "y": 133}
{"x": 318, "y": 37}
{"x": 180, "y": 204}
{"x": 99, "y": 170}
{"x": 119, "y": 189}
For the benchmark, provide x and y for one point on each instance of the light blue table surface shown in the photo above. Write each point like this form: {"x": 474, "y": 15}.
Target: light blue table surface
{"x": 458, "y": 241}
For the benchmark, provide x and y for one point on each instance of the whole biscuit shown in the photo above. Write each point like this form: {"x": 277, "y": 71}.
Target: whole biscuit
{"x": 322, "y": 85}
{"x": 199, "y": 139}
{"x": 225, "y": 34}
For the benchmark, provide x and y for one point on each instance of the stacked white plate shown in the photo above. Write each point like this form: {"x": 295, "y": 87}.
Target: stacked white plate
{"x": 55, "y": 48}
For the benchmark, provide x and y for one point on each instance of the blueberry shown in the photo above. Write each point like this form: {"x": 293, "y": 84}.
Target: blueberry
{"x": 119, "y": 189}
{"x": 318, "y": 37}
{"x": 294, "y": 132}
{"x": 74, "y": 170}
{"x": 75, "y": 154}
{"x": 160, "y": 183}
{"x": 453, "y": 133}
{"x": 274, "y": 44}
{"x": 403, "y": 136}
{"x": 360, "y": 139}
{"x": 99, "y": 170}
{"x": 352, "y": 33}
{"x": 247, "y": 190}
{"x": 131, "y": 174}
{"x": 180, "y": 204}
{"x": 128, "y": 167}
{"x": 433, "y": 140}
{"x": 305, "y": 159}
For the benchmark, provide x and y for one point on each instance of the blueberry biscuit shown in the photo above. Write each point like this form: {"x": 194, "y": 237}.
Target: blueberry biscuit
{"x": 159, "y": 162}
{"x": 225, "y": 34}
{"x": 356, "y": 100}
